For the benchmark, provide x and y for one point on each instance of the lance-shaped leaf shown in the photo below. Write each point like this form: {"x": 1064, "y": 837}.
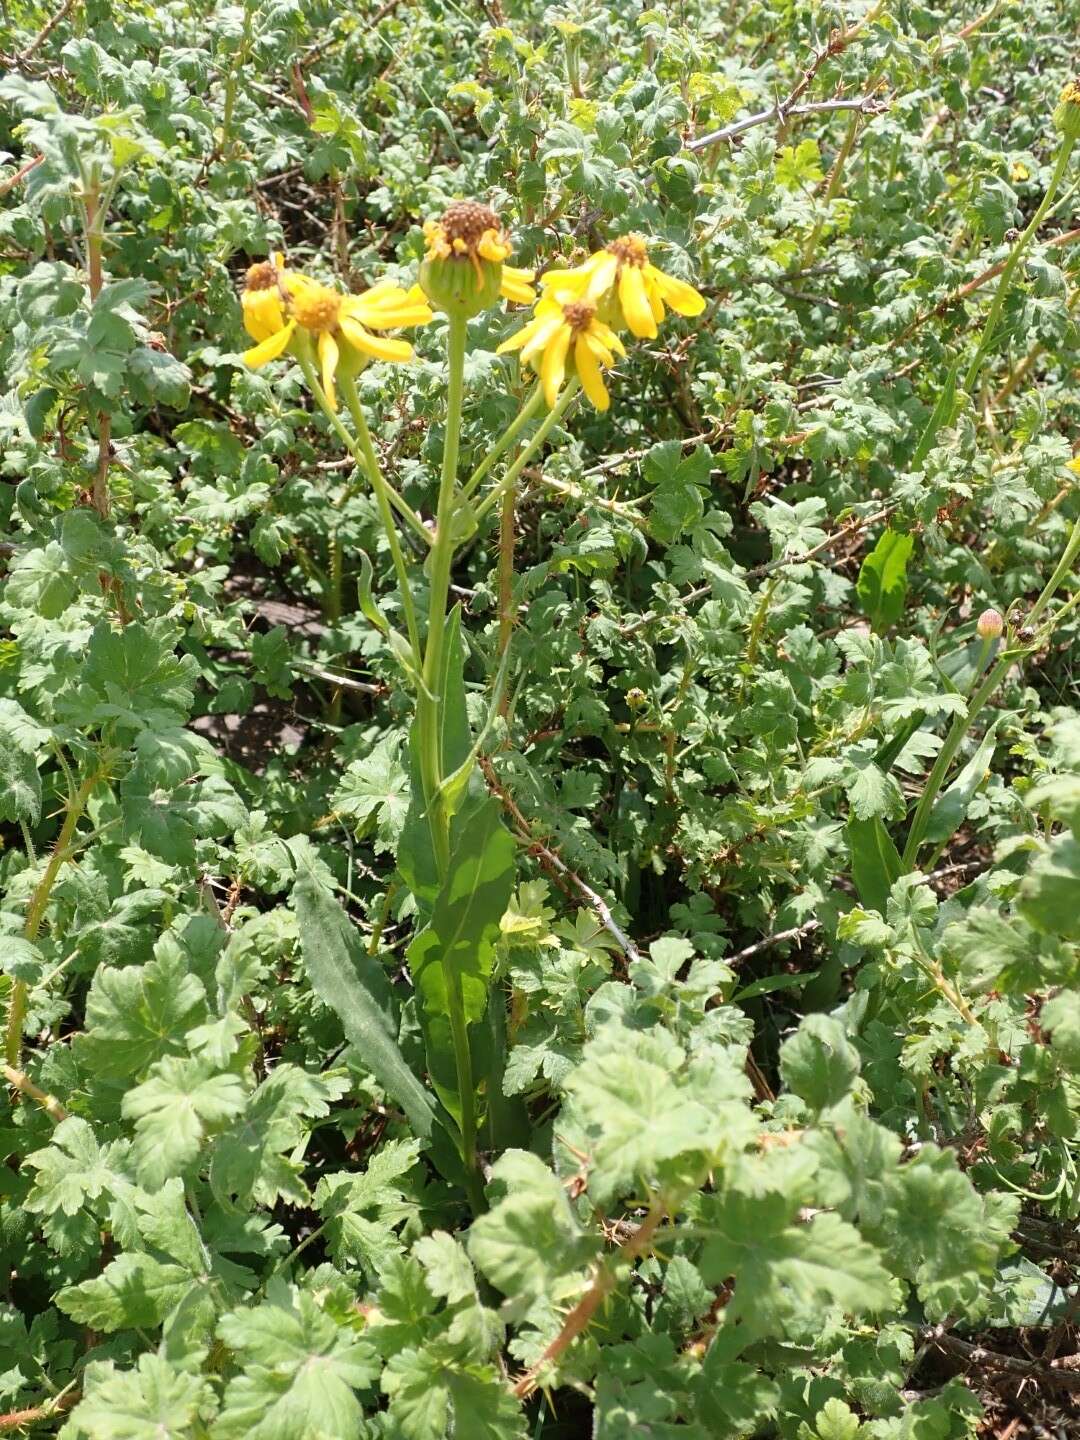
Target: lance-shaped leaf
{"x": 952, "y": 806}
{"x": 875, "y": 861}
{"x": 354, "y": 985}
{"x": 882, "y": 584}
{"x": 457, "y": 946}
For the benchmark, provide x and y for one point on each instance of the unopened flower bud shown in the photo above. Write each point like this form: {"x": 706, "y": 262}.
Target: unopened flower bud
{"x": 636, "y": 698}
{"x": 1067, "y": 111}
{"x": 989, "y": 625}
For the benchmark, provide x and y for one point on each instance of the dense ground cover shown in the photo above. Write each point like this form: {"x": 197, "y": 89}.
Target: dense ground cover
{"x": 655, "y": 1012}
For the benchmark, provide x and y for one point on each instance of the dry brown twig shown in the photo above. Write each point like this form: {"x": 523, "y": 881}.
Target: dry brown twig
{"x": 1063, "y": 1372}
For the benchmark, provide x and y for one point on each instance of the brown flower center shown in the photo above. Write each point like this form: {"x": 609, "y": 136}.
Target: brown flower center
{"x": 261, "y": 277}
{"x": 466, "y": 220}
{"x": 579, "y": 314}
{"x": 629, "y": 250}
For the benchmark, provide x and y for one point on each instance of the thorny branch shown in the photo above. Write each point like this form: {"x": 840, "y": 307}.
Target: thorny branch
{"x": 838, "y": 42}
{"x": 19, "y": 1080}
{"x": 38, "y": 1414}
{"x": 20, "y": 174}
{"x": 782, "y": 110}
{"x": 46, "y": 30}
{"x": 583, "y": 1312}
{"x": 1069, "y": 237}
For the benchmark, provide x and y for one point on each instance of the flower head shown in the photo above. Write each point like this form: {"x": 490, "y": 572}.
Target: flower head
{"x": 294, "y": 309}
{"x": 1067, "y": 111}
{"x": 263, "y": 296}
{"x": 631, "y": 291}
{"x": 566, "y": 333}
{"x": 463, "y": 270}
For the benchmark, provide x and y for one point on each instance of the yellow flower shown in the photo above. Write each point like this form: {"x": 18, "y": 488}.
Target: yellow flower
{"x": 262, "y": 299}
{"x": 563, "y": 331}
{"x": 639, "y": 289}
{"x": 341, "y": 325}
{"x": 463, "y": 270}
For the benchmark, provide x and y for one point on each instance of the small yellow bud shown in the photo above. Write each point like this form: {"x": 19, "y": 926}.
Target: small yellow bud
{"x": 989, "y": 625}
{"x": 636, "y": 698}
{"x": 1067, "y": 111}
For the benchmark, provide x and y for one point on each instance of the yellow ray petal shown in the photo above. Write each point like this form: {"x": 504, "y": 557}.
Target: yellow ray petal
{"x": 602, "y": 353}
{"x": 682, "y": 298}
{"x": 516, "y": 285}
{"x": 492, "y": 247}
{"x": 385, "y": 286}
{"x": 592, "y": 381}
{"x": 605, "y": 266}
{"x": 519, "y": 338}
{"x": 262, "y": 313}
{"x": 270, "y": 348}
{"x": 387, "y": 307}
{"x": 379, "y": 347}
{"x": 328, "y": 360}
{"x": 607, "y": 337}
{"x": 404, "y": 317}
{"x": 635, "y": 303}
{"x": 296, "y": 282}
{"x": 574, "y": 282}
{"x": 549, "y": 305}
{"x": 553, "y": 367}
{"x": 545, "y": 330}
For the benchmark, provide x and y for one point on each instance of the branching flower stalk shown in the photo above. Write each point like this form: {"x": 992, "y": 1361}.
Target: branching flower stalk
{"x": 35, "y": 914}
{"x": 1067, "y": 121}
{"x": 95, "y": 208}
{"x": 570, "y": 341}
{"x": 965, "y": 719}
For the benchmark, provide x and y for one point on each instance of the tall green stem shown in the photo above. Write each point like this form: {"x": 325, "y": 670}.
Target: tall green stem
{"x": 509, "y": 480}
{"x": 505, "y": 440}
{"x": 400, "y": 504}
{"x": 430, "y": 702}
{"x": 1064, "y": 565}
{"x": 962, "y": 723}
{"x": 233, "y": 76}
{"x": 386, "y": 514}
{"x": 1014, "y": 260}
